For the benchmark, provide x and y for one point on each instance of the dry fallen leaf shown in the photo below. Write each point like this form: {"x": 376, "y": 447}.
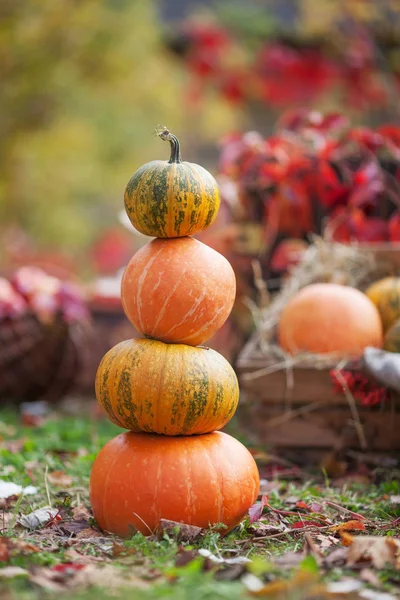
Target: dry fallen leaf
{"x": 38, "y": 517}
{"x": 380, "y": 551}
{"x": 59, "y": 479}
{"x": 81, "y": 512}
{"x": 326, "y": 541}
{"x": 182, "y": 531}
{"x": 237, "y": 560}
{"x": 348, "y": 526}
{"x": 80, "y": 576}
{"x": 12, "y": 547}
{"x": 6, "y": 518}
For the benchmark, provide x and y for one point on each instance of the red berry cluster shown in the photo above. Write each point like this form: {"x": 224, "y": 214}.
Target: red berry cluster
{"x": 362, "y": 388}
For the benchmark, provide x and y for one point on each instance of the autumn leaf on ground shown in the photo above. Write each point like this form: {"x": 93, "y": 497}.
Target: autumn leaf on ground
{"x": 59, "y": 479}
{"x": 181, "y": 531}
{"x": 38, "y": 517}
{"x": 348, "y": 526}
{"x": 12, "y": 547}
{"x": 256, "y": 510}
{"x": 379, "y": 551}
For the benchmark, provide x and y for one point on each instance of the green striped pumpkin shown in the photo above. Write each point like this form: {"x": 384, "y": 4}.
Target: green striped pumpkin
{"x": 172, "y": 389}
{"x": 171, "y": 199}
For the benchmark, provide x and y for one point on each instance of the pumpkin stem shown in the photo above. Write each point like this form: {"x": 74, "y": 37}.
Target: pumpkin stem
{"x": 167, "y": 136}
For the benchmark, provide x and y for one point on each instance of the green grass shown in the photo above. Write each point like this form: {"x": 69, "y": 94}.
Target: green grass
{"x": 70, "y": 444}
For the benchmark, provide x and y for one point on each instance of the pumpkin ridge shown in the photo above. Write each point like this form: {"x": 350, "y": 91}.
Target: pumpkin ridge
{"x": 190, "y": 312}
{"x": 168, "y": 298}
{"x": 218, "y": 494}
{"x": 144, "y": 196}
{"x": 101, "y": 389}
{"x": 198, "y": 399}
{"x": 141, "y": 282}
{"x": 163, "y": 369}
{"x": 209, "y": 189}
{"x": 203, "y": 327}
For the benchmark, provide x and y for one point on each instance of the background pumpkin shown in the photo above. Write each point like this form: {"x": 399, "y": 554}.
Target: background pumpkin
{"x": 178, "y": 290}
{"x": 172, "y": 389}
{"x": 329, "y": 318}
{"x": 139, "y": 478}
{"x": 171, "y": 199}
{"x": 385, "y": 294}
{"x": 391, "y": 342}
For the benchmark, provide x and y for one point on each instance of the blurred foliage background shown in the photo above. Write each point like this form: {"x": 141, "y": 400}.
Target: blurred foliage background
{"x": 84, "y": 83}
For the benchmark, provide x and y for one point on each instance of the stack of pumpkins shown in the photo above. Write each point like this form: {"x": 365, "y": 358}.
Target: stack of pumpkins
{"x": 170, "y": 392}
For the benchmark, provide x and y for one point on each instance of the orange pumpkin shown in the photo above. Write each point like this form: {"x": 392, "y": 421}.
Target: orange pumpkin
{"x": 173, "y": 389}
{"x": 139, "y": 478}
{"x": 178, "y": 290}
{"x": 329, "y": 318}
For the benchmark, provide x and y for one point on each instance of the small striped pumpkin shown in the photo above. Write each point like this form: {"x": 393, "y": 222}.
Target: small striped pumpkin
{"x": 171, "y": 199}
{"x": 171, "y": 389}
{"x": 178, "y": 291}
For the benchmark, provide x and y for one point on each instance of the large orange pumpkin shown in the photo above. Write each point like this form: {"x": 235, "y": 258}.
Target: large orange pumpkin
{"x": 173, "y": 389}
{"x": 139, "y": 478}
{"x": 329, "y": 318}
{"x": 178, "y": 290}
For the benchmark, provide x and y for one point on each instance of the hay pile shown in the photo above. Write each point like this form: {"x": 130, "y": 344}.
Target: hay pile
{"x": 322, "y": 262}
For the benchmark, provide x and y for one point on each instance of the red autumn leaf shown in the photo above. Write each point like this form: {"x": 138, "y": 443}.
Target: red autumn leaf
{"x": 390, "y": 133}
{"x": 292, "y": 120}
{"x": 372, "y": 230}
{"x": 256, "y": 510}
{"x": 233, "y": 86}
{"x": 316, "y": 507}
{"x": 330, "y": 190}
{"x": 287, "y": 254}
{"x": 302, "y": 505}
{"x": 291, "y": 209}
{"x": 370, "y": 139}
{"x": 394, "y": 227}
{"x": 287, "y": 75}
{"x": 71, "y": 567}
{"x": 366, "y": 196}
{"x": 302, "y": 524}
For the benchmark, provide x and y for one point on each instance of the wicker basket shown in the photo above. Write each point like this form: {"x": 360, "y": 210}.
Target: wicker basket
{"x": 38, "y": 361}
{"x": 290, "y": 404}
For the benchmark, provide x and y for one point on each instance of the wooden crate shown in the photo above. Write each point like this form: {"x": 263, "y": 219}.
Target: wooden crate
{"x": 297, "y": 408}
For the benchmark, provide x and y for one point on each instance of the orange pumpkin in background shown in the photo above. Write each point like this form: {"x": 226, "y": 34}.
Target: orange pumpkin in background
{"x": 178, "y": 290}
{"x": 140, "y": 478}
{"x": 385, "y": 294}
{"x": 329, "y": 318}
